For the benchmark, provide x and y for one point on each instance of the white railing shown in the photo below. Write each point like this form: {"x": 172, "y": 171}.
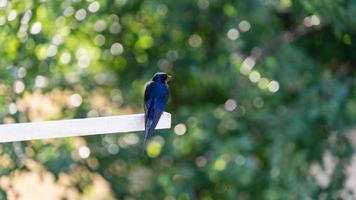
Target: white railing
{"x": 77, "y": 127}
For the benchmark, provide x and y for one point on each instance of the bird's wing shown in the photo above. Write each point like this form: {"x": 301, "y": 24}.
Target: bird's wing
{"x": 148, "y": 99}
{"x": 154, "y": 114}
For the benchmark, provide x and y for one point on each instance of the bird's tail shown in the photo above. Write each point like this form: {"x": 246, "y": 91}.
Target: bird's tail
{"x": 148, "y": 132}
{"x": 145, "y": 142}
{"x": 150, "y": 127}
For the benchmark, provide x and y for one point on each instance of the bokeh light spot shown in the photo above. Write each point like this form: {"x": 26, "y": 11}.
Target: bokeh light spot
{"x": 145, "y": 42}
{"x": 203, "y": 4}
{"x": 80, "y": 14}
{"x": 52, "y": 50}
{"x": 154, "y": 149}
{"x": 244, "y": 26}
{"x": 311, "y": 21}
{"x": 65, "y": 58}
{"x": 263, "y": 83}
{"x": 180, "y": 129}
{"x": 84, "y": 152}
{"x": 99, "y": 40}
{"x": 36, "y": 28}
{"x": 220, "y": 164}
{"x": 12, "y": 108}
{"x": 113, "y": 149}
{"x": 347, "y": 39}
{"x": 195, "y": 41}
{"x": 247, "y": 65}
{"x": 286, "y": 3}
{"x": 116, "y": 49}
{"x": 258, "y": 102}
{"x": 41, "y": 81}
{"x": 75, "y": 100}
{"x": 162, "y": 9}
{"x": 233, "y": 34}
{"x": 12, "y": 15}
{"x": 130, "y": 139}
{"x": 99, "y": 26}
{"x": 254, "y": 76}
{"x": 82, "y": 55}
{"x": 68, "y": 11}
{"x": 240, "y": 160}
{"x": 3, "y": 3}
{"x": 2, "y": 20}
{"x": 115, "y": 28}
{"x": 230, "y": 105}
{"x": 21, "y": 72}
{"x": 94, "y": 7}
{"x": 19, "y": 87}
{"x": 273, "y": 86}
{"x": 120, "y": 2}
{"x": 201, "y": 161}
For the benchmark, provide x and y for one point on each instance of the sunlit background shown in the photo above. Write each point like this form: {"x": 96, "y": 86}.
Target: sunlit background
{"x": 262, "y": 98}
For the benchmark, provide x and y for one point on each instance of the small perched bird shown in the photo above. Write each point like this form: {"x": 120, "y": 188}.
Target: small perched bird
{"x": 155, "y": 100}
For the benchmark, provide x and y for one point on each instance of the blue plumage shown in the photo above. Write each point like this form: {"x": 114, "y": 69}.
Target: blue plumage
{"x": 155, "y": 100}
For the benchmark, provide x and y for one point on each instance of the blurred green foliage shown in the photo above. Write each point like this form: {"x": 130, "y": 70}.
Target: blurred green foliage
{"x": 262, "y": 91}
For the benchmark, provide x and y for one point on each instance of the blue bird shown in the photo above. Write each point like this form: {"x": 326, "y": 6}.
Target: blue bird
{"x": 155, "y": 100}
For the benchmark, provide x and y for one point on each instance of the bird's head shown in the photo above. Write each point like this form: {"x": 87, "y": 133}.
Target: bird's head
{"x": 161, "y": 77}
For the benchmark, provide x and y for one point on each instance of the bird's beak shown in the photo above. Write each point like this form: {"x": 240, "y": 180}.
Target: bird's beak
{"x": 169, "y": 78}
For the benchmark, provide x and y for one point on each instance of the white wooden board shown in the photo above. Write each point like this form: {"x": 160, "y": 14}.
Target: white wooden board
{"x": 77, "y": 127}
